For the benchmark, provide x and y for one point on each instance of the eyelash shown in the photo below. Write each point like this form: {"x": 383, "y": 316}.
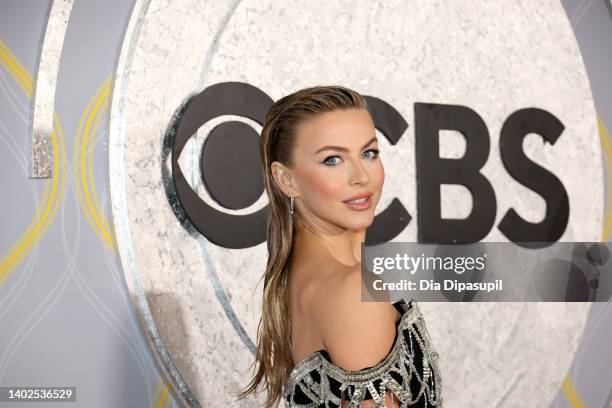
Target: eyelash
{"x": 325, "y": 162}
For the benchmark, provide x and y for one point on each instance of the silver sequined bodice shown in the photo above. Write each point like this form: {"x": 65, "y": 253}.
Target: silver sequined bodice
{"x": 409, "y": 372}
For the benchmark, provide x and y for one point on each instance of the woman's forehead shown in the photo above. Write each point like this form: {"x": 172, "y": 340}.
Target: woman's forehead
{"x": 344, "y": 128}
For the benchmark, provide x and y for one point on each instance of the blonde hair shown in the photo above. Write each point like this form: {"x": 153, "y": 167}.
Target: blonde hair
{"x": 277, "y": 143}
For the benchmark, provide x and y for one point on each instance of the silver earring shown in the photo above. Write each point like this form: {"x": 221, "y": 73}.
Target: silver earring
{"x": 291, "y": 205}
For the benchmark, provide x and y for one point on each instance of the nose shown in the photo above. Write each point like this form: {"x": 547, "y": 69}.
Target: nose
{"x": 359, "y": 174}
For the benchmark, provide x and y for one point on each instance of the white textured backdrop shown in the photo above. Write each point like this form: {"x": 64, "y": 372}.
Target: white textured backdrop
{"x": 495, "y": 57}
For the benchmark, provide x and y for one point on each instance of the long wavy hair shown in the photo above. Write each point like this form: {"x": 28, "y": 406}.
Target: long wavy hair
{"x": 277, "y": 142}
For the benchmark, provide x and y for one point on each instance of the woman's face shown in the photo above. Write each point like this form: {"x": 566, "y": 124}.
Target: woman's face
{"x": 335, "y": 159}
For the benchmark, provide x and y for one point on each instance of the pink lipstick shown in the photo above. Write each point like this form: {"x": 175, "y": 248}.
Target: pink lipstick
{"x": 359, "y": 202}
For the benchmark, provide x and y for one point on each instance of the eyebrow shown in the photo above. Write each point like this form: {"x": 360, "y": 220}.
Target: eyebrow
{"x": 344, "y": 149}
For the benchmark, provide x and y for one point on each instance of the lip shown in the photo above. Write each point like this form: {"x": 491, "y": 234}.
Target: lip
{"x": 360, "y": 206}
{"x": 358, "y": 196}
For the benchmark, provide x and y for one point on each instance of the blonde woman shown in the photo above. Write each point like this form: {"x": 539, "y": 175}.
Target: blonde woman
{"x": 318, "y": 344}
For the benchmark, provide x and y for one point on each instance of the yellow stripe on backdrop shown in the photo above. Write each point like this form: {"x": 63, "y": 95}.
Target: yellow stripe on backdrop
{"x": 108, "y": 230}
{"x": 605, "y": 141}
{"x": 47, "y": 211}
{"x": 96, "y": 108}
{"x": 571, "y": 393}
{"x": 160, "y": 397}
{"x": 14, "y": 67}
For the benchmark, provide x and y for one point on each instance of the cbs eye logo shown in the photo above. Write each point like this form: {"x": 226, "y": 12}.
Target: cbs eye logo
{"x": 230, "y": 170}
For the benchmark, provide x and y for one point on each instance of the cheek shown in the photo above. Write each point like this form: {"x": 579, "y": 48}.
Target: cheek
{"x": 378, "y": 175}
{"x": 322, "y": 185}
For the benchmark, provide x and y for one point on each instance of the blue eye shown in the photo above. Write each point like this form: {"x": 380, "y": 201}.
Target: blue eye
{"x": 375, "y": 151}
{"x": 328, "y": 161}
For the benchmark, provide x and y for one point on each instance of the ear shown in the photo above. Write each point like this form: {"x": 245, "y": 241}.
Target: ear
{"x": 284, "y": 179}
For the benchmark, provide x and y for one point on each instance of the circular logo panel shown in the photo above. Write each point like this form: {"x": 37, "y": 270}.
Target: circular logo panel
{"x": 499, "y": 86}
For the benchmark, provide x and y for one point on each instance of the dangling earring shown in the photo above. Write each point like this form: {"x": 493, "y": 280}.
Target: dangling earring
{"x": 291, "y": 205}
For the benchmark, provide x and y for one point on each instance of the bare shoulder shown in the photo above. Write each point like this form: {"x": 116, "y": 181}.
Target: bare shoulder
{"x": 356, "y": 334}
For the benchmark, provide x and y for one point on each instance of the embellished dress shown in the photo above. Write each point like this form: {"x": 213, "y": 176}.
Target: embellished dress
{"x": 409, "y": 373}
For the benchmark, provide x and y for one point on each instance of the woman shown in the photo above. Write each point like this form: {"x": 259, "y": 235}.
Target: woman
{"x": 318, "y": 344}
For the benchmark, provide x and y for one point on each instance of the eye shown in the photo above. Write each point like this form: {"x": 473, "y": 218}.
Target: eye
{"x": 375, "y": 153}
{"x": 329, "y": 162}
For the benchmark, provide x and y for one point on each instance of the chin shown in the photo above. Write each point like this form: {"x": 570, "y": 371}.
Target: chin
{"x": 360, "y": 222}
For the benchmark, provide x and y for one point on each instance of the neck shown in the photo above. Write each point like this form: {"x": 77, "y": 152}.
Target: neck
{"x": 343, "y": 245}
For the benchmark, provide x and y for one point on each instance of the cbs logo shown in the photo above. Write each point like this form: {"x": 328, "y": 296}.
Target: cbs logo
{"x": 222, "y": 171}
